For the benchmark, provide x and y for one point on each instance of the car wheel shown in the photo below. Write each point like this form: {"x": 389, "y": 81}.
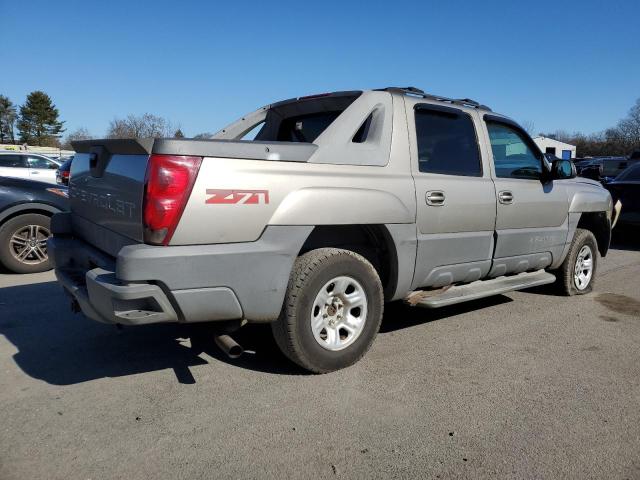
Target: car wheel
{"x": 332, "y": 310}
{"x": 23, "y": 243}
{"x": 578, "y": 271}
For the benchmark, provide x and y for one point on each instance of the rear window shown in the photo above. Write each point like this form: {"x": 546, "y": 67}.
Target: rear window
{"x": 303, "y": 120}
{"x": 305, "y": 128}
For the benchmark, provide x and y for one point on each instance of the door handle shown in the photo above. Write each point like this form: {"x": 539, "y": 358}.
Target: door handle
{"x": 505, "y": 197}
{"x": 35, "y": 173}
{"x": 435, "y": 198}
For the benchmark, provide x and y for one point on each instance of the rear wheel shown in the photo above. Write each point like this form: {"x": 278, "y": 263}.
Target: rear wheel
{"x": 332, "y": 310}
{"x": 23, "y": 243}
{"x": 577, "y": 272}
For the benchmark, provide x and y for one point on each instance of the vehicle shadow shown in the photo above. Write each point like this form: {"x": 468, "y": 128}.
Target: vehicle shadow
{"x": 61, "y": 348}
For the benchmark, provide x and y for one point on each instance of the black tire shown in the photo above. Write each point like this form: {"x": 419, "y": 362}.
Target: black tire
{"x": 8, "y": 258}
{"x": 311, "y": 272}
{"x": 566, "y": 272}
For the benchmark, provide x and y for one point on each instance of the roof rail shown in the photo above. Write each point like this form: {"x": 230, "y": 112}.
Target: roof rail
{"x": 465, "y": 102}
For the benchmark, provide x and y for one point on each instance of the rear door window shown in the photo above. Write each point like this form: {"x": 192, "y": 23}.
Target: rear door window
{"x": 447, "y": 143}
{"x": 13, "y": 161}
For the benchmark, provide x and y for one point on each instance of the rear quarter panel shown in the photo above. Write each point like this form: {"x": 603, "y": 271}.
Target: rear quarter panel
{"x": 234, "y": 200}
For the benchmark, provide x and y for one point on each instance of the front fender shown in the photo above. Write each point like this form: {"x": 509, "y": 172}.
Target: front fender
{"x": 340, "y": 206}
{"x": 591, "y": 200}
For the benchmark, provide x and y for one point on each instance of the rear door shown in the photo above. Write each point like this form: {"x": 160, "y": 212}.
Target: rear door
{"x": 42, "y": 169}
{"x": 532, "y": 214}
{"x": 456, "y": 203}
{"x": 14, "y": 166}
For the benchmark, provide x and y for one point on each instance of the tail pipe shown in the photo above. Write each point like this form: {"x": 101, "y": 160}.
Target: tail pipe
{"x": 229, "y": 346}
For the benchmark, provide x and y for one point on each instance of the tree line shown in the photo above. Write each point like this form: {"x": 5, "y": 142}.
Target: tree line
{"x": 619, "y": 140}
{"x": 37, "y": 122}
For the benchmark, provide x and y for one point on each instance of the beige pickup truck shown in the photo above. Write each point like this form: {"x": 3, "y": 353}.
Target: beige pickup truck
{"x": 313, "y": 212}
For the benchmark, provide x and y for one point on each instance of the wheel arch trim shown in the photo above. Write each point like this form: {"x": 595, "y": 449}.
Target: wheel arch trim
{"x": 30, "y": 207}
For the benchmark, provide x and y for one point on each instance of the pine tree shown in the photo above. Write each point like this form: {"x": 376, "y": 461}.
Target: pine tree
{"x": 39, "y": 121}
{"x": 8, "y": 117}
{"x": 178, "y": 134}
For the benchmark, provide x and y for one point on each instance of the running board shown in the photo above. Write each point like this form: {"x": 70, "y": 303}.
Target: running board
{"x": 479, "y": 289}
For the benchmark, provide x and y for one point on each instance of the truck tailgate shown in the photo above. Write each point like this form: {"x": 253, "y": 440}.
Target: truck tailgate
{"x": 107, "y": 188}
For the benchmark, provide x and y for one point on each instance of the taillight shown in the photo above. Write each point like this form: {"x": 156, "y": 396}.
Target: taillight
{"x": 168, "y": 185}
{"x": 65, "y": 174}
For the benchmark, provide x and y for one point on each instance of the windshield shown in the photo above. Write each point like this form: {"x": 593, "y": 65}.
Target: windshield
{"x": 630, "y": 174}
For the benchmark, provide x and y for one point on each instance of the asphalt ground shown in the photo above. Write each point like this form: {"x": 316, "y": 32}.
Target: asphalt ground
{"x": 523, "y": 385}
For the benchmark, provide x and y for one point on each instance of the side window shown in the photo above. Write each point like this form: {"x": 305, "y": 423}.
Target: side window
{"x": 39, "y": 162}
{"x": 447, "y": 143}
{"x": 513, "y": 156}
{"x": 13, "y": 161}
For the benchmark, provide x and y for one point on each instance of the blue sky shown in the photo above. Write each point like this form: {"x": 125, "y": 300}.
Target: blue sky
{"x": 572, "y": 65}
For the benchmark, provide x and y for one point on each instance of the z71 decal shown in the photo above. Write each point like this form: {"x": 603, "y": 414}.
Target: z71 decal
{"x": 247, "y": 197}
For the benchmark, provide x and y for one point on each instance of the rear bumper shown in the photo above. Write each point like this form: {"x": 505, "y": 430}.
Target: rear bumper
{"x": 147, "y": 284}
{"x": 103, "y": 297}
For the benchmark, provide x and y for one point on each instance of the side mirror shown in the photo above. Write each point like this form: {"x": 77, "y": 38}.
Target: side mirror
{"x": 561, "y": 169}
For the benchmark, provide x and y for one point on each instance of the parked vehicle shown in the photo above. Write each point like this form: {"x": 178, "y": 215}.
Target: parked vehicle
{"x": 626, "y": 188}
{"x": 63, "y": 173}
{"x": 342, "y": 202}
{"x": 27, "y": 165}
{"x": 26, "y": 208}
{"x": 604, "y": 169}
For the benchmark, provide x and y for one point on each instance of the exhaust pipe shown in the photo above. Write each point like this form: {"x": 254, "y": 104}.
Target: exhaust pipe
{"x": 229, "y": 346}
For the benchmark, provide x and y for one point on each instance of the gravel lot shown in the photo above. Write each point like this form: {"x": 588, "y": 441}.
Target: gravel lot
{"x": 524, "y": 385}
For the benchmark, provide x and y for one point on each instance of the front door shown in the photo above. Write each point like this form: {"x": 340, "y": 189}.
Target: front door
{"x": 456, "y": 201}
{"x": 532, "y": 214}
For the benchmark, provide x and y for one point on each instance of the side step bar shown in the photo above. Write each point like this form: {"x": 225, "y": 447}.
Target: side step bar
{"x": 478, "y": 289}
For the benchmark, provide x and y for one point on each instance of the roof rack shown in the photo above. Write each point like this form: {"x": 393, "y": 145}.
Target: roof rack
{"x": 465, "y": 102}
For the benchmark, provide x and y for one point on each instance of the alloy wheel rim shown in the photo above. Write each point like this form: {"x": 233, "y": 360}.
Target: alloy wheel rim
{"x": 339, "y": 313}
{"x": 28, "y": 244}
{"x": 583, "y": 269}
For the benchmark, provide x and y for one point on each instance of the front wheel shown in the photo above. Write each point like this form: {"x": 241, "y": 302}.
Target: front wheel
{"x": 332, "y": 310}
{"x": 577, "y": 272}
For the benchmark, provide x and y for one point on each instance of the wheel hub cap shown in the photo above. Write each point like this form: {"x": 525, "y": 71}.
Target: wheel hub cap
{"x": 339, "y": 313}
{"x": 29, "y": 244}
{"x": 583, "y": 269}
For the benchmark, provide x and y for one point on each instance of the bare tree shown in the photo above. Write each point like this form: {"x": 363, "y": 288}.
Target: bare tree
{"x": 529, "y": 127}
{"x": 203, "y": 136}
{"x": 628, "y": 129}
{"x": 140, "y": 126}
{"x": 78, "y": 134}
